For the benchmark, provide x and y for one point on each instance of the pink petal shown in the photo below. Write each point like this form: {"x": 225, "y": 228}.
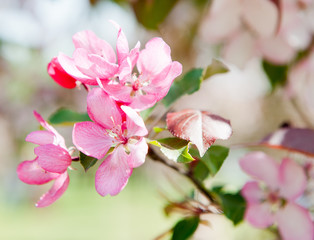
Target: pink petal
{"x": 259, "y": 215}
{"x": 113, "y": 174}
{"x": 142, "y": 102}
{"x": 58, "y": 140}
{"x": 276, "y": 50}
{"x": 253, "y": 193}
{"x": 260, "y": 16}
{"x": 138, "y": 153}
{"x": 91, "y": 139}
{"x": 31, "y": 173}
{"x": 262, "y": 167}
{"x": 294, "y": 223}
{"x": 53, "y": 158}
{"x": 122, "y": 44}
{"x": 55, "y": 192}
{"x": 155, "y": 57}
{"x": 40, "y": 137}
{"x": 101, "y": 68}
{"x": 70, "y": 68}
{"x": 58, "y": 74}
{"x": 102, "y": 109}
{"x": 292, "y": 179}
{"x": 134, "y": 122}
{"x": 161, "y": 83}
{"x": 222, "y": 21}
{"x": 240, "y": 49}
{"x": 89, "y": 41}
{"x": 119, "y": 92}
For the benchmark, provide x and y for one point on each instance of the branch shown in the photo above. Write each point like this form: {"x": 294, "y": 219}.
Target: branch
{"x": 154, "y": 156}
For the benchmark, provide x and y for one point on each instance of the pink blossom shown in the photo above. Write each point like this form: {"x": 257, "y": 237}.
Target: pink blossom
{"x": 51, "y": 163}
{"x": 114, "y": 126}
{"x": 272, "y": 198}
{"x": 58, "y": 74}
{"x": 156, "y": 72}
{"x": 94, "y": 58}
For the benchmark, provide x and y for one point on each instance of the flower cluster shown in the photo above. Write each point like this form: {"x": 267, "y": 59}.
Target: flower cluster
{"x": 272, "y": 198}
{"x": 118, "y": 92}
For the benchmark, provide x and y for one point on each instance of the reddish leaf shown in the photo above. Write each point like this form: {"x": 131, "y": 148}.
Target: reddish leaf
{"x": 293, "y": 139}
{"x": 200, "y": 127}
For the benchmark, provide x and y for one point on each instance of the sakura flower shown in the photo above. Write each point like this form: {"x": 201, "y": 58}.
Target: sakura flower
{"x": 51, "y": 163}
{"x": 272, "y": 197}
{"x": 95, "y": 58}
{"x": 113, "y": 126}
{"x": 156, "y": 72}
{"x": 58, "y": 74}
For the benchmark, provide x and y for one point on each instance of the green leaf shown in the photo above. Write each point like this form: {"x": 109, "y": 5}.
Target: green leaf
{"x": 200, "y": 171}
{"x": 86, "y": 161}
{"x": 185, "y": 228}
{"x": 158, "y": 129}
{"x": 67, "y": 116}
{"x": 175, "y": 149}
{"x": 150, "y": 13}
{"x": 191, "y": 81}
{"x": 277, "y": 74}
{"x": 216, "y": 67}
{"x": 213, "y": 158}
{"x": 233, "y": 205}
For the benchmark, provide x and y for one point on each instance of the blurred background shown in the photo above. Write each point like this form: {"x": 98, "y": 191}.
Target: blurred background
{"x": 32, "y": 32}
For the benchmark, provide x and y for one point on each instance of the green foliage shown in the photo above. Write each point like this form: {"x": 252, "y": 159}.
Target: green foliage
{"x": 191, "y": 81}
{"x": 200, "y": 171}
{"x": 67, "y": 116}
{"x": 175, "y": 149}
{"x": 233, "y": 204}
{"x": 150, "y": 13}
{"x": 277, "y": 74}
{"x": 185, "y": 228}
{"x": 213, "y": 158}
{"x": 86, "y": 161}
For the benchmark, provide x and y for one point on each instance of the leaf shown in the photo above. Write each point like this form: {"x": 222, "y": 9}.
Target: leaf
{"x": 293, "y": 139}
{"x": 201, "y": 171}
{"x": 67, "y": 116}
{"x": 174, "y": 149}
{"x": 233, "y": 205}
{"x": 192, "y": 80}
{"x": 200, "y": 127}
{"x": 213, "y": 158}
{"x": 185, "y": 228}
{"x": 86, "y": 161}
{"x": 277, "y": 74}
{"x": 150, "y": 13}
{"x": 158, "y": 129}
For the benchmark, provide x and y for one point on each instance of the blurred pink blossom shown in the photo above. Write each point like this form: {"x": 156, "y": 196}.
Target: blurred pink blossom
{"x": 272, "y": 197}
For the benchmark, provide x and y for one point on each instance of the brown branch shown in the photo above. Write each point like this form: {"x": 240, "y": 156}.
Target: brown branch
{"x": 154, "y": 156}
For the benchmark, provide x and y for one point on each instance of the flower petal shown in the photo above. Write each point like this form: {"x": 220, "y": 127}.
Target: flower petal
{"x": 102, "y": 109}
{"x": 155, "y": 57}
{"x": 53, "y": 158}
{"x": 31, "y": 173}
{"x": 259, "y": 215}
{"x": 138, "y": 153}
{"x": 134, "y": 122}
{"x": 294, "y": 223}
{"x": 113, "y": 174}
{"x": 292, "y": 179}
{"x": 40, "y": 137}
{"x": 262, "y": 167}
{"x": 60, "y": 76}
{"x": 91, "y": 139}
{"x": 89, "y": 41}
{"x": 55, "y": 192}
{"x": 122, "y": 44}
{"x": 58, "y": 140}
{"x": 252, "y": 192}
